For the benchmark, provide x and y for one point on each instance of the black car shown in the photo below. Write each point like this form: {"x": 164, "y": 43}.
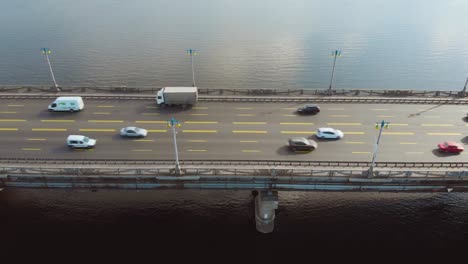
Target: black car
{"x": 300, "y": 143}
{"x": 308, "y": 109}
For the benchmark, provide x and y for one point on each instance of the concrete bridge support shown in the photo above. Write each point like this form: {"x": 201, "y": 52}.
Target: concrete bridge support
{"x": 266, "y": 202}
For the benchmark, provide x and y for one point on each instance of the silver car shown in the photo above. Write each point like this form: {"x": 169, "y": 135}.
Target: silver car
{"x": 329, "y": 133}
{"x": 133, "y": 132}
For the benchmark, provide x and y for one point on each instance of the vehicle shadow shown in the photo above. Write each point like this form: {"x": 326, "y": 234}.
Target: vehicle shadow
{"x": 465, "y": 140}
{"x": 440, "y": 154}
{"x": 285, "y": 151}
{"x": 47, "y": 114}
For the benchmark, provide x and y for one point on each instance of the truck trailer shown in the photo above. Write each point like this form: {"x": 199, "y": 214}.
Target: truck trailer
{"x": 177, "y": 96}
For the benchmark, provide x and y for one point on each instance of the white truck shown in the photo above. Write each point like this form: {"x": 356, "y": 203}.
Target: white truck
{"x": 183, "y": 96}
{"x": 67, "y": 103}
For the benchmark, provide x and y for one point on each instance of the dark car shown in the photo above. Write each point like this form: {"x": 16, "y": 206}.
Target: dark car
{"x": 310, "y": 109}
{"x": 300, "y": 143}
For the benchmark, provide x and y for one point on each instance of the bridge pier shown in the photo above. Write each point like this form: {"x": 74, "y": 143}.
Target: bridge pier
{"x": 266, "y": 202}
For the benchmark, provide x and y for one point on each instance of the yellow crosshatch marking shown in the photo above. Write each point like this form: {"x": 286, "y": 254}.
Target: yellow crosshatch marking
{"x": 57, "y": 120}
{"x": 105, "y": 121}
{"x": 96, "y": 130}
{"x": 250, "y": 131}
{"x": 8, "y": 129}
{"x": 12, "y": 120}
{"x": 297, "y": 124}
{"x": 50, "y": 129}
{"x": 249, "y": 123}
{"x": 201, "y": 122}
{"x": 151, "y": 122}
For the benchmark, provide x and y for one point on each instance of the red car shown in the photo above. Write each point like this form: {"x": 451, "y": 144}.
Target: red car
{"x": 450, "y": 146}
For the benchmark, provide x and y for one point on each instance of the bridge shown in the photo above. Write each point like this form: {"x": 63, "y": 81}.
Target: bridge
{"x": 235, "y": 140}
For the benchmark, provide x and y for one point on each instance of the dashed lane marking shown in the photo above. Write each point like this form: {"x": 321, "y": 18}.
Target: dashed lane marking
{"x": 197, "y": 150}
{"x": 290, "y": 115}
{"x": 197, "y": 140}
{"x": 57, "y": 121}
{"x": 200, "y": 108}
{"x": 354, "y": 133}
{"x": 157, "y": 130}
{"x": 245, "y": 115}
{"x": 150, "y": 114}
{"x": 142, "y": 150}
{"x": 385, "y": 116}
{"x": 200, "y": 131}
{"x": 344, "y": 124}
{"x": 431, "y": 116}
{"x": 414, "y": 152}
{"x": 438, "y": 125}
{"x": 198, "y": 114}
{"x": 297, "y": 124}
{"x": 33, "y": 149}
{"x": 392, "y": 124}
{"x": 144, "y": 140}
{"x": 244, "y": 108}
{"x": 296, "y": 132}
{"x": 7, "y": 112}
{"x": 105, "y": 121}
{"x": 36, "y": 139}
{"x": 250, "y": 151}
{"x": 101, "y": 113}
{"x": 288, "y": 108}
{"x": 336, "y": 109}
{"x": 380, "y": 109}
{"x": 248, "y": 141}
{"x": 408, "y": 143}
{"x": 8, "y": 129}
{"x": 50, "y": 129}
{"x": 12, "y": 120}
{"x": 354, "y": 142}
{"x": 398, "y": 133}
{"x": 339, "y": 115}
{"x": 250, "y": 131}
{"x": 15, "y": 105}
{"x": 201, "y": 122}
{"x": 360, "y": 152}
{"x": 96, "y": 130}
{"x": 151, "y": 122}
{"x": 105, "y": 106}
{"x": 151, "y": 107}
{"x": 249, "y": 123}
{"x": 444, "y": 134}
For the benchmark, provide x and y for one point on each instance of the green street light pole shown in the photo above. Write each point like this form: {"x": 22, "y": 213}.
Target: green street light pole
{"x": 191, "y": 53}
{"x": 379, "y": 126}
{"x": 173, "y": 123}
{"x": 46, "y": 52}
{"x": 335, "y": 53}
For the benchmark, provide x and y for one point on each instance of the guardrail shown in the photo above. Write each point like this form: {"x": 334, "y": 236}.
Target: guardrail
{"x": 271, "y": 163}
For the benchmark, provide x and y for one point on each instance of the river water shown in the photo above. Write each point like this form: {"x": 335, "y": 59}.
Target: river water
{"x": 398, "y": 44}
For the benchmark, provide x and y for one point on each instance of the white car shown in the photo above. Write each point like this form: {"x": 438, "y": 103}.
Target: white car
{"x": 79, "y": 141}
{"x": 329, "y": 133}
{"x": 133, "y": 132}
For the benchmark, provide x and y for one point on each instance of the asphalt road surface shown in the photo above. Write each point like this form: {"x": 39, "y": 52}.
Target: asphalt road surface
{"x": 232, "y": 131}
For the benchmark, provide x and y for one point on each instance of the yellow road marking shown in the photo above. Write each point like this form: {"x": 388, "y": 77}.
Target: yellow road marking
{"x": 198, "y": 114}
{"x": 250, "y": 131}
{"x": 196, "y": 150}
{"x": 7, "y": 112}
{"x": 289, "y": 115}
{"x": 101, "y": 113}
{"x": 344, "y": 124}
{"x": 8, "y": 129}
{"x": 157, "y": 130}
{"x": 152, "y": 107}
{"x": 244, "y": 108}
{"x": 249, "y": 141}
{"x": 436, "y": 124}
{"x": 354, "y": 142}
{"x": 198, "y": 107}
{"x": 150, "y": 113}
{"x": 245, "y": 115}
{"x": 336, "y": 109}
{"x": 431, "y": 116}
{"x": 397, "y": 133}
{"x": 30, "y": 149}
{"x": 339, "y": 115}
{"x": 392, "y": 124}
{"x": 297, "y": 124}
{"x": 57, "y": 120}
{"x": 37, "y": 139}
{"x": 200, "y": 131}
{"x": 82, "y": 149}
{"x": 249, "y": 123}
{"x": 141, "y": 150}
{"x": 12, "y": 120}
{"x": 144, "y": 140}
{"x": 201, "y": 122}
{"x": 444, "y": 134}
{"x": 105, "y": 106}
{"x": 379, "y": 109}
{"x": 197, "y": 140}
{"x": 15, "y": 105}
{"x": 408, "y": 143}
{"x": 296, "y": 132}
{"x": 50, "y": 129}
{"x": 288, "y": 108}
{"x": 96, "y": 130}
{"x": 414, "y": 152}
{"x": 385, "y": 116}
{"x": 105, "y": 121}
{"x": 360, "y": 152}
{"x": 250, "y": 150}
{"x": 151, "y": 122}
{"x": 354, "y": 133}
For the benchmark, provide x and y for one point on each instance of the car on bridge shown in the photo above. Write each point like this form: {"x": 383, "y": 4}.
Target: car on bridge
{"x": 132, "y": 131}
{"x": 80, "y": 141}
{"x": 450, "y": 147}
{"x": 329, "y": 133}
{"x": 301, "y": 143}
{"x": 310, "y": 109}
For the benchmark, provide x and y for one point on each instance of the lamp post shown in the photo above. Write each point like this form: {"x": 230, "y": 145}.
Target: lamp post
{"x": 191, "y": 53}
{"x": 46, "y": 52}
{"x": 173, "y": 123}
{"x": 463, "y": 93}
{"x": 335, "y": 53}
{"x": 379, "y": 126}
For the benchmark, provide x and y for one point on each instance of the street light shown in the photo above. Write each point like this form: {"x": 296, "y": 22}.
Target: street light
{"x": 463, "y": 93}
{"x": 379, "y": 126}
{"x": 335, "y": 53}
{"x": 46, "y": 52}
{"x": 191, "y": 53}
{"x": 175, "y": 123}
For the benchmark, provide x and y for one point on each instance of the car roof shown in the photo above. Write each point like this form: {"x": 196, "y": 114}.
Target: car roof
{"x": 310, "y": 105}
{"x": 299, "y": 139}
{"x": 131, "y": 127}
{"x": 75, "y": 137}
{"x": 453, "y": 143}
{"x": 326, "y": 129}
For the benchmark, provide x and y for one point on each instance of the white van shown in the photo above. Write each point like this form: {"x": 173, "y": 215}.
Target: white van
{"x": 63, "y": 103}
{"x": 79, "y": 141}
